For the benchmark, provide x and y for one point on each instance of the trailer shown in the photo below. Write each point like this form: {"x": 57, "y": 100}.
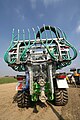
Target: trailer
{"x": 39, "y": 59}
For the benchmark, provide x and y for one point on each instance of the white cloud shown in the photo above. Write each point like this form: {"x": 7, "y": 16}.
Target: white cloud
{"x": 33, "y": 3}
{"x": 49, "y": 2}
{"x": 45, "y": 2}
{"x": 17, "y": 10}
{"x": 78, "y": 29}
{"x": 41, "y": 15}
{"x": 19, "y": 14}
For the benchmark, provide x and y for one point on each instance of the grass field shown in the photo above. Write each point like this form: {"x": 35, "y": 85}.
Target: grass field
{"x": 4, "y": 80}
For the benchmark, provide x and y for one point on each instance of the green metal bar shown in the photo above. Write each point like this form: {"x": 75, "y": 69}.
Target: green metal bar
{"x": 34, "y": 37}
{"x": 51, "y": 35}
{"x": 24, "y": 37}
{"x": 26, "y": 49}
{"x": 58, "y": 34}
{"x": 68, "y": 44}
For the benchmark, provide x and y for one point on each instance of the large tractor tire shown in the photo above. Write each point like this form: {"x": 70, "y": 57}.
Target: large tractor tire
{"x": 26, "y": 99}
{"x": 61, "y": 97}
{"x": 22, "y": 99}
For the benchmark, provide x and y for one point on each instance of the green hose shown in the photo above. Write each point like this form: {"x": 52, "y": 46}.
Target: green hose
{"x": 40, "y": 36}
{"x": 55, "y": 50}
{"x": 72, "y": 47}
{"x": 6, "y": 55}
{"x": 58, "y": 34}
{"x": 27, "y": 46}
{"x": 68, "y": 44}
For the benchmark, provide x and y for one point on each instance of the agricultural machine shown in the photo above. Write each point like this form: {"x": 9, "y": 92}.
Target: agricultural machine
{"x": 76, "y": 75}
{"x": 39, "y": 59}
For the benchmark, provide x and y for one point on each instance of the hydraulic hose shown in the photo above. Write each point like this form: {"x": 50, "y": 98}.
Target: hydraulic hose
{"x": 58, "y": 34}
{"x": 71, "y": 46}
{"x": 47, "y": 44}
{"x": 39, "y": 35}
{"x": 63, "y": 35}
{"x": 28, "y": 46}
{"x": 6, "y": 55}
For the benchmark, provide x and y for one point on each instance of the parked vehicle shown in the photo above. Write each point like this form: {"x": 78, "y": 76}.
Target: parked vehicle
{"x": 40, "y": 58}
{"x": 76, "y": 74}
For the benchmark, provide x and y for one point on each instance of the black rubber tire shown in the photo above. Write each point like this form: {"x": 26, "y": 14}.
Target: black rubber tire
{"x": 61, "y": 97}
{"x": 26, "y": 99}
{"x": 22, "y": 99}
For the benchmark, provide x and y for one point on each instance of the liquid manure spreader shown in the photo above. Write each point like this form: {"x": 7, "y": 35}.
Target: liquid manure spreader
{"x": 39, "y": 59}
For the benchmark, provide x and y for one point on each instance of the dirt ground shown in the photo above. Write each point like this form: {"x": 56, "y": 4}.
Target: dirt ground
{"x": 10, "y": 111}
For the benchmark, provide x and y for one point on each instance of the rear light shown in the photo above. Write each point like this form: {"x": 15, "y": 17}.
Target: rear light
{"x": 61, "y": 76}
{"x": 19, "y": 86}
{"x": 20, "y": 77}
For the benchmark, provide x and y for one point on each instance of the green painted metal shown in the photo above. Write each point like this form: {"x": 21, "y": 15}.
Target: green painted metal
{"x": 36, "y": 91}
{"x": 12, "y": 45}
{"x": 48, "y": 91}
{"x": 58, "y": 34}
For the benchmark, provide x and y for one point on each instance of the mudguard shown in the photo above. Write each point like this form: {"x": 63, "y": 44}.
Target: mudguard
{"x": 62, "y": 83}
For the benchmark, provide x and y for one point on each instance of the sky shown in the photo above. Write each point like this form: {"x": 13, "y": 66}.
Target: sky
{"x": 24, "y": 14}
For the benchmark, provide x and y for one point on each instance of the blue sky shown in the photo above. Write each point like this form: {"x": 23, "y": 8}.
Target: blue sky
{"x": 24, "y": 14}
